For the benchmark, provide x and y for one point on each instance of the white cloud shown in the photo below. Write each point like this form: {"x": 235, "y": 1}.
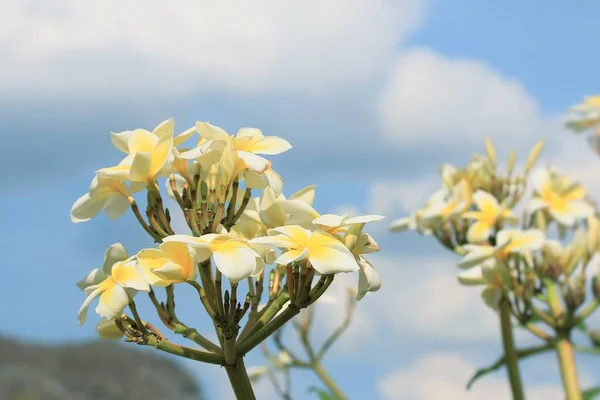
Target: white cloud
{"x": 420, "y": 298}
{"x": 435, "y": 100}
{"x": 401, "y": 196}
{"x": 443, "y": 376}
{"x": 116, "y": 47}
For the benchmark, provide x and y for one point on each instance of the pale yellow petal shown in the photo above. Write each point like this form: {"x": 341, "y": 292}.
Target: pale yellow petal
{"x": 269, "y": 145}
{"x": 112, "y": 302}
{"x": 141, "y": 141}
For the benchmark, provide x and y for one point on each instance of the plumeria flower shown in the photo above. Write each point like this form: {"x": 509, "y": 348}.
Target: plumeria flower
{"x": 108, "y": 194}
{"x": 489, "y": 215}
{"x": 585, "y": 115}
{"x": 333, "y": 223}
{"x": 561, "y": 198}
{"x": 114, "y": 291}
{"x": 171, "y": 262}
{"x": 147, "y": 153}
{"x": 325, "y": 252}
{"x": 277, "y": 211}
{"x": 204, "y": 155}
{"x": 495, "y": 277}
{"x": 444, "y": 204}
{"x": 508, "y": 241}
{"x": 233, "y": 257}
{"x": 249, "y": 142}
{"x": 115, "y": 253}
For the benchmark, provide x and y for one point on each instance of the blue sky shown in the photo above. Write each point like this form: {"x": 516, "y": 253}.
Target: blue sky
{"x": 323, "y": 79}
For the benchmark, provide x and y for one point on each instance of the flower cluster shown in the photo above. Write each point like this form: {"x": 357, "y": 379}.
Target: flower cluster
{"x": 533, "y": 267}
{"x": 586, "y": 116}
{"x": 233, "y": 234}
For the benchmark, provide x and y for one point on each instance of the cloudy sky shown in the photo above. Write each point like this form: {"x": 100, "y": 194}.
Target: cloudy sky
{"x": 373, "y": 95}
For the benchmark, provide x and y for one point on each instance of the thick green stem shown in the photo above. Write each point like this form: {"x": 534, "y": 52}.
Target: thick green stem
{"x": 564, "y": 347}
{"x": 510, "y": 352}
{"x": 240, "y": 383}
{"x": 328, "y": 381}
{"x": 568, "y": 370}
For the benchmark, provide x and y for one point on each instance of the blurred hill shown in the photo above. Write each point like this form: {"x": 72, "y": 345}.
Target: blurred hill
{"x": 98, "y": 370}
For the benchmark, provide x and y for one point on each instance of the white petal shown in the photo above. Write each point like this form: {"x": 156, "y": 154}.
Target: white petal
{"x": 402, "y": 224}
{"x": 363, "y": 219}
{"x": 116, "y": 205}
{"x": 368, "y": 279}
{"x": 329, "y": 220}
{"x": 476, "y": 255}
{"x": 184, "y": 136}
{"x": 190, "y": 240}
{"x": 491, "y": 296}
{"x": 256, "y": 163}
{"x": 82, "y": 314}
{"x": 96, "y": 276}
{"x": 540, "y": 178}
{"x": 108, "y": 330}
{"x": 235, "y": 263}
{"x": 472, "y": 276}
{"x": 171, "y": 271}
{"x": 306, "y": 195}
{"x": 120, "y": 140}
{"x": 167, "y": 127}
{"x": 116, "y": 252}
{"x": 87, "y": 207}
{"x": 536, "y": 204}
{"x": 299, "y": 211}
{"x": 580, "y": 209}
{"x": 112, "y": 302}
{"x": 274, "y": 180}
{"x": 211, "y": 132}
{"x": 291, "y": 256}
{"x": 140, "y": 168}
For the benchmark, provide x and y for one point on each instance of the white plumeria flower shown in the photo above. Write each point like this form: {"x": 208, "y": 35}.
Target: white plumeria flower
{"x": 248, "y": 143}
{"x": 490, "y": 213}
{"x": 507, "y": 241}
{"x": 114, "y": 291}
{"x": 147, "y": 153}
{"x": 171, "y": 262}
{"x": 333, "y": 223}
{"x": 563, "y": 199}
{"x": 325, "y": 252}
{"x": 494, "y": 275}
{"x": 204, "y": 156}
{"x": 233, "y": 257}
{"x": 277, "y": 211}
{"x": 582, "y": 117}
{"x": 444, "y": 204}
{"x": 115, "y": 253}
{"x": 110, "y": 195}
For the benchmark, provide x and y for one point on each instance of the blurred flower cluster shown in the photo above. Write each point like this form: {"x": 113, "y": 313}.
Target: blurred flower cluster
{"x": 233, "y": 234}
{"x": 585, "y": 117}
{"x": 526, "y": 238}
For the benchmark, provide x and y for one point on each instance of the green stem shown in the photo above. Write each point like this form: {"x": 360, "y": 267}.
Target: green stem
{"x": 186, "y": 352}
{"x": 328, "y": 381}
{"x": 568, "y": 370}
{"x": 510, "y": 352}
{"x": 240, "y": 383}
{"x": 564, "y": 347}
